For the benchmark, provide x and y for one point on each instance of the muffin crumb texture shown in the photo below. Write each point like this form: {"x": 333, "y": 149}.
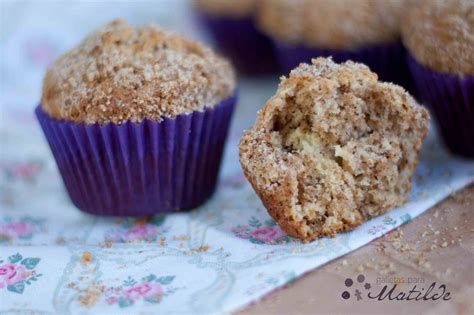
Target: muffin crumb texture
{"x": 332, "y": 148}
{"x": 120, "y": 73}
{"x": 440, "y": 35}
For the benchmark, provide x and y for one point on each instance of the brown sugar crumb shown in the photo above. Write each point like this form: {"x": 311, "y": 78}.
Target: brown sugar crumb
{"x": 335, "y": 24}
{"x": 332, "y": 148}
{"x": 122, "y": 73}
{"x": 235, "y": 9}
{"x": 180, "y": 238}
{"x": 162, "y": 241}
{"x": 86, "y": 257}
{"x": 90, "y": 295}
{"x": 439, "y": 35}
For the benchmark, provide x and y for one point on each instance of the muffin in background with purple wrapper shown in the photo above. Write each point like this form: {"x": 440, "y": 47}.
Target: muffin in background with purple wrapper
{"x": 137, "y": 118}
{"x": 363, "y": 31}
{"x": 232, "y": 25}
{"x": 439, "y": 35}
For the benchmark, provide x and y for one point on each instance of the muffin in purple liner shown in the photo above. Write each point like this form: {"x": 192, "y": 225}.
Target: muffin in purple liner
{"x": 232, "y": 25}
{"x": 362, "y": 31}
{"x": 137, "y": 120}
{"x": 438, "y": 36}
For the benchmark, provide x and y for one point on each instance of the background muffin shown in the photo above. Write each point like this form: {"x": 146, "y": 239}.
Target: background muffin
{"x": 332, "y": 148}
{"x": 440, "y": 38}
{"x": 364, "y": 31}
{"x": 232, "y": 25}
{"x": 137, "y": 119}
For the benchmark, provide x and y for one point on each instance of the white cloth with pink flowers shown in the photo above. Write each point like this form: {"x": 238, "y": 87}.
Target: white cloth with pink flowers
{"x": 215, "y": 259}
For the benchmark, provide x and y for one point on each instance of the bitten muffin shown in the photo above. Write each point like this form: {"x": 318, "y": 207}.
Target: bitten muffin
{"x": 121, "y": 73}
{"x": 232, "y": 25}
{"x": 439, "y": 35}
{"x": 363, "y": 31}
{"x": 137, "y": 118}
{"x": 332, "y": 148}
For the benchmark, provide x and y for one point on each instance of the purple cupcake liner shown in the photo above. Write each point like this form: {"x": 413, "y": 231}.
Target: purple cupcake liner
{"x": 140, "y": 169}
{"x": 250, "y": 50}
{"x": 451, "y": 99}
{"x": 387, "y": 60}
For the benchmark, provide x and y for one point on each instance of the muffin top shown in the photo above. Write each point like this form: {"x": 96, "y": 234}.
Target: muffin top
{"x": 229, "y": 8}
{"x": 440, "y": 35}
{"x": 121, "y": 73}
{"x": 335, "y": 24}
{"x": 333, "y": 147}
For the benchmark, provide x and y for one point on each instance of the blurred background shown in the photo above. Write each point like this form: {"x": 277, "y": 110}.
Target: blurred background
{"x": 34, "y": 33}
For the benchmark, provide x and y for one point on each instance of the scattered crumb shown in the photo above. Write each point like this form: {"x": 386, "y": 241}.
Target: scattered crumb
{"x": 162, "y": 241}
{"x": 181, "y": 238}
{"x": 91, "y": 295}
{"x": 86, "y": 257}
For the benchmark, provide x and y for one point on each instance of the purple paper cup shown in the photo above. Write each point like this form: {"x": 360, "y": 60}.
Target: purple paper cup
{"x": 250, "y": 50}
{"x": 451, "y": 99}
{"x": 387, "y": 60}
{"x": 137, "y": 169}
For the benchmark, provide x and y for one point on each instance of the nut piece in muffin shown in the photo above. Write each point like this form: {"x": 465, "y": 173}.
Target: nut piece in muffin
{"x": 440, "y": 35}
{"x": 122, "y": 73}
{"x": 335, "y": 24}
{"x": 332, "y": 148}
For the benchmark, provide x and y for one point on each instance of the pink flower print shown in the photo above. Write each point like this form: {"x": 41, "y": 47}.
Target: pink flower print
{"x": 111, "y": 300}
{"x": 18, "y": 229}
{"x": 12, "y": 273}
{"x": 242, "y": 231}
{"x": 140, "y": 232}
{"x": 40, "y": 51}
{"x": 147, "y": 290}
{"x": 268, "y": 234}
{"x": 26, "y": 171}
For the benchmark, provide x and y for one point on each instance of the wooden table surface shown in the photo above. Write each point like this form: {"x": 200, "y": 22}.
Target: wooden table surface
{"x": 437, "y": 246}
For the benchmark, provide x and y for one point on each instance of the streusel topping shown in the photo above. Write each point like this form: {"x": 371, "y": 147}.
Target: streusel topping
{"x": 440, "y": 35}
{"x": 121, "y": 73}
{"x": 335, "y": 24}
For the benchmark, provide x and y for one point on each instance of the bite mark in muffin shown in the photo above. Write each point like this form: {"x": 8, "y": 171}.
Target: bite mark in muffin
{"x": 332, "y": 148}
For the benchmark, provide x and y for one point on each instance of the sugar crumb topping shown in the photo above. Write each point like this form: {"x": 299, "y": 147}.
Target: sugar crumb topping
{"x": 440, "y": 35}
{"x": 122, "y": 73}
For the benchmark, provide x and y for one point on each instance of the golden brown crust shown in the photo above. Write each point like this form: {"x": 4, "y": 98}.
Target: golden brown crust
{"x": 440, "y": 35}
{"x": 120, "y": 73}
{"x": 333, "y": 148}
{"x": 335, "y": 24}
{"x": 228, "y": 8}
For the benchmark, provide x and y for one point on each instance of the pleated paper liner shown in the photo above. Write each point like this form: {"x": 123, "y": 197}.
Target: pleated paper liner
{"x": 250, "y": 50}
{"x": 140, "y": 169}
{"x": 387, "y": 60}
{"x": 451, "y": 99}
